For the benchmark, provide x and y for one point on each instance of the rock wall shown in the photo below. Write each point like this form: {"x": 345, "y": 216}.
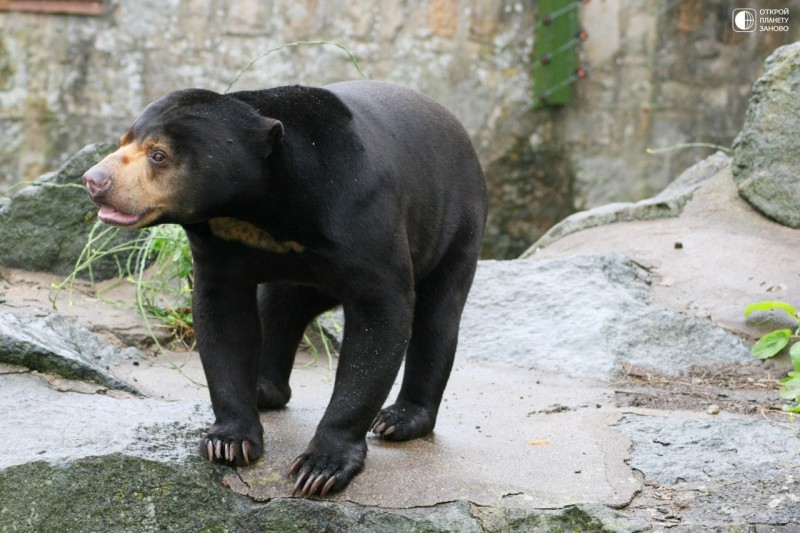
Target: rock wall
{"x": 661, "y": 73}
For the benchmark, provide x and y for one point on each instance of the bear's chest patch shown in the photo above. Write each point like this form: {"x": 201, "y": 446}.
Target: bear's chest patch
{"x": 233, "y": 230}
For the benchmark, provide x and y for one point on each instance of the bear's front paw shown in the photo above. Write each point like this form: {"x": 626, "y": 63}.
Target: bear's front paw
{"x": 403, "y": 421}
{"x": 327, "y": 468}
{"x": 227, "y": 447}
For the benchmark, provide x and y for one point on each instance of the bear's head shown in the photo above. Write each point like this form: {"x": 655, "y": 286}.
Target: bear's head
{"x": 190, "y": 156}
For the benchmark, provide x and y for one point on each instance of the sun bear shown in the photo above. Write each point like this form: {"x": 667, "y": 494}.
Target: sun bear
{"x": 295, "y": 200}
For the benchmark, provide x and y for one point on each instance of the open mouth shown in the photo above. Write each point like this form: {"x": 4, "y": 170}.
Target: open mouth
{"x": 112, "y": 217}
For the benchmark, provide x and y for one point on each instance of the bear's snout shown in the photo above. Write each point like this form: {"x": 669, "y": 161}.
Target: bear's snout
{"x": 97, "y": 181}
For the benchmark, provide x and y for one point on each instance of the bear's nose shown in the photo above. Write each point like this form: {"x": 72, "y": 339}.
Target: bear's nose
{"x": 97, "y": 181}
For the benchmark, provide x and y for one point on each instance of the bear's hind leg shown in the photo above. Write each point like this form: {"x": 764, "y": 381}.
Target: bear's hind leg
{"x": 284, "y": 310}
{"x": 431, "y": 350}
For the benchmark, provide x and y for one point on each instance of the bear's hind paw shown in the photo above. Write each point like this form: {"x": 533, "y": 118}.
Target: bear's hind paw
{"x": 403, "y": 421}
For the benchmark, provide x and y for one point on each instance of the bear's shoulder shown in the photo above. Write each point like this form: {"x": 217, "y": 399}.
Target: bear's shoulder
{"x": 298, "y": 103}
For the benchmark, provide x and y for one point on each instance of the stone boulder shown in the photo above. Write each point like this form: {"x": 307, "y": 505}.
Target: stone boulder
{"x": 58, "y": 345}
{"x": 45, "y": 226}
{"x": 584, "y": 315}
{"x": 766, "y": 158}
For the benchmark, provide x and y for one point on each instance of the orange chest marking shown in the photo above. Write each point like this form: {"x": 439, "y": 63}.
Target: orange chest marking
{"x": 231, "y": 229}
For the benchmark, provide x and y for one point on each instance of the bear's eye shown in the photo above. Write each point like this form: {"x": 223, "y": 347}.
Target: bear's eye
{"x": 158, "y": 156}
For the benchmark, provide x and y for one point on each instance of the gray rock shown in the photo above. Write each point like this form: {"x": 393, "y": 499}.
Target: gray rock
{"x": 332, "y": 324}
{"x": 718, "y": 473}
{"x": 44, "y": 227}
{"x": 62, "y": 427}
{"x": 766, "y": 156}
{"x": 670, "y": 450}
{"x": 584, "y": 315}
{"x": 669, "y": 203}
{"x": 289, "y": 514}
{"x": 57, "y": 345}
{"x": 584, "y": 518}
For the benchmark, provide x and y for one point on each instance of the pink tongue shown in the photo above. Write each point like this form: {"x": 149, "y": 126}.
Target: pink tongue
{"x": 109, "y": 215}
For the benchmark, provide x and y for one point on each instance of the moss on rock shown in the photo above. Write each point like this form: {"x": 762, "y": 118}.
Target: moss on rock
{"x": 116, "y": 493}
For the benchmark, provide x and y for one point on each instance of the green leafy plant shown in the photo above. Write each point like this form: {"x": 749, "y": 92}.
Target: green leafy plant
{"x": 159, "y": 264}
{"x": 164, "y": 291}
{"x": 774, "y": 342}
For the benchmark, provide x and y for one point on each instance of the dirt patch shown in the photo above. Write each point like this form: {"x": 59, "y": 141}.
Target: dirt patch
{"x": 745, "y": 389}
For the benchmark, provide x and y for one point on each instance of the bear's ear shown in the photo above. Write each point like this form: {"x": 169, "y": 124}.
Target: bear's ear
{"x": 274, "y": 130}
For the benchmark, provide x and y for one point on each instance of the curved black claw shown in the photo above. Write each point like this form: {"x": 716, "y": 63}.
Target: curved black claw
{"x": 325, "y": 472}
{"x": 403, "y": 421}
{"x": 233, "y": 452}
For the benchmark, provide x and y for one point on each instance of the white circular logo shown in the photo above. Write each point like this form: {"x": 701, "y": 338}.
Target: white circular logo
{"x": 744, "y": 20}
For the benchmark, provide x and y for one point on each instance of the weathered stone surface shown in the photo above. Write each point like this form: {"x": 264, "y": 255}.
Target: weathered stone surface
{"x": 584, "y": 315}
{"x": 60, "y": 427}
{"x": 530, "y": 189}
{"x": 57, "y": 345}
{"x": 284, "y": 514}
{"x": 668, "y": 203}
{"x": 718, "y": 472}
{"x": 45, "y": 226}
{"x": 674, "y": 449}
{"x": 456, "y": 517}
{"x": 583, "y": 518}
{"x": 709, "y": 262}
{"x": 767, "y": 151}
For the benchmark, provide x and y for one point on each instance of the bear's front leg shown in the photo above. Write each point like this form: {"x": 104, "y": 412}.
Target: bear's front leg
{"x": 376, "y": 333}
{"x": 228, "y": 337}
